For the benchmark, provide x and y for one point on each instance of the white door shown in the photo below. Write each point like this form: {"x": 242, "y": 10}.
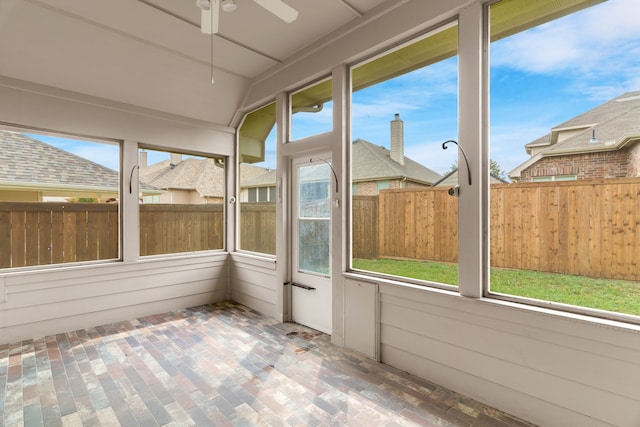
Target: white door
{"x": 311, "y": 302}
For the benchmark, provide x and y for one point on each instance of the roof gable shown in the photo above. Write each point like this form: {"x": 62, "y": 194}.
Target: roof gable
{"x": 373, "y": 163}
{"x": 610, "y": 123}
{"x": 206, "y": 176}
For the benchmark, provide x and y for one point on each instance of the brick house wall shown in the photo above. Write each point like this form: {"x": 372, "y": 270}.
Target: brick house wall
{"x": 367, "y": 188}
{"x": 598, "y": 165}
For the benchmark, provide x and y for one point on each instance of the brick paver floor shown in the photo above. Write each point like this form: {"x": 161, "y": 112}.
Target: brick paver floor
{"x": 216, "y": 365}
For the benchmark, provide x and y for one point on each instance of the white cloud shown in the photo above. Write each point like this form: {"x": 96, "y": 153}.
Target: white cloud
{"x": 589, "y": 44}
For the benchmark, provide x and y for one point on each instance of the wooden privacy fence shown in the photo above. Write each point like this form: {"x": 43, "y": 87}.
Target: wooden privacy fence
{"x": 364, "y": 229}
{"x": 588, "y": 228}
{"x": 54, "y": 233}
{"x": 166, "y": 228}
{"x": 258, "y": 227}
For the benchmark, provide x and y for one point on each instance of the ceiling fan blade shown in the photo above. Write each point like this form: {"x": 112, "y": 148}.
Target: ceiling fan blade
{"x": 209, "y": 18}
{"x": 280, "y": 9}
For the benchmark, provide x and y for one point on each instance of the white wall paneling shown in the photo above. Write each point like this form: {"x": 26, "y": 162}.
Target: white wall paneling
{"x": 68, "y": 298}
{"x": 550, "y": 368}
{"x": 254, "y": 283}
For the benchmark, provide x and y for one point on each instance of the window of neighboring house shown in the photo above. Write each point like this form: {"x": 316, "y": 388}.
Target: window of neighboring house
{"x": 311, "y": 110}
{"x": 58, "y": 199}
{"x": 257, "y": 182}
{"x": 576, "y": 242}
{"x": 261, "y": 194}
{"x": 252, "y": 195}
{"x": 404, "y": 106}
{"x": 182, "y": 207}
{"x": 382, "y": 185}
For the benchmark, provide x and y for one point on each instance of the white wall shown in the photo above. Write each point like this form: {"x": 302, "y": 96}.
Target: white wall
{"x": 550, "y": 368}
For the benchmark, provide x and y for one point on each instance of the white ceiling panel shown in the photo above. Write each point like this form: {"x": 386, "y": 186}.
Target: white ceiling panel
{"x": 152, "y": 54}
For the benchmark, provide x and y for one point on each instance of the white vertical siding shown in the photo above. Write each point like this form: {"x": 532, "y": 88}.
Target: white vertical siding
{"x": 549, "y": 368}
{"x": 50, "y": 301}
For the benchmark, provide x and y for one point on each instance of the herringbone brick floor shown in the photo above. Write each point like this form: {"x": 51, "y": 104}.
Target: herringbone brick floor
{"x": 216, "y": 365}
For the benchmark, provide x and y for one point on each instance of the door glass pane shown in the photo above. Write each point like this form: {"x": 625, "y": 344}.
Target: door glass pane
{"x": 314, "y": 218}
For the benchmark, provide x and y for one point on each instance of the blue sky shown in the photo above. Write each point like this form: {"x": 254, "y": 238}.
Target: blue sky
{"x": 539, "y": 79}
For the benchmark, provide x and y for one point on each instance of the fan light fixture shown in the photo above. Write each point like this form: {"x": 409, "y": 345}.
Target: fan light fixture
{"x": 204, "y": 4}
{"x": 228, "y": 5}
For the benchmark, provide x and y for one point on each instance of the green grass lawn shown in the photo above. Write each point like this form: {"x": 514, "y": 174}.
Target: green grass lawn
{"x": 612, "y": 295}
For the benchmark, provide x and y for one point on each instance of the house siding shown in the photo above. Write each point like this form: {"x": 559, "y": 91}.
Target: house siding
{"x": 599, "y": 165}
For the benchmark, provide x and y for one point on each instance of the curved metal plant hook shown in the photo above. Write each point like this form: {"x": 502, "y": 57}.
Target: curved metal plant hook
{"x": 335, "y": 176}
{"x": 444, "y": 147}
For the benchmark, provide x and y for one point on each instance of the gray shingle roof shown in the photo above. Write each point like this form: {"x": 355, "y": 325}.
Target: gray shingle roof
{"x": 265, "y": 179}
{"x": 206, "y": 176}
{"x": 372, "y": 163}
{"x": 612, "y": 122}
{"x": 25, "y": 160}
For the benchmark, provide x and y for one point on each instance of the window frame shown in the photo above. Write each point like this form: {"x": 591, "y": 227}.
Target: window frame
{"x": 415, "y": 39}
{"x": 474, "y": 211}
{"x": 532, "y": 303}
{"x": 21, "y": 129}
{"x": 268, "y": 110}
{"x": 173, "y": 150}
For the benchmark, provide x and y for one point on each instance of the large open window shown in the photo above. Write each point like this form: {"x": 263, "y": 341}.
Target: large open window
{"x": 311, "y": 110}
{"x": 565, "y": 126}
{"x": 257, "y": 195}
{"x": 404, "y": 106}
{"x": 182, "y": 202}
{"x": 58, "y": 199}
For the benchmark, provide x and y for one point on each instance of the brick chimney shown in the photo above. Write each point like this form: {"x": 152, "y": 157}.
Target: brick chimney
{"x": 143, "y": 160}
{"x": 397, "y": 140}
{"x": 175, "y": 159}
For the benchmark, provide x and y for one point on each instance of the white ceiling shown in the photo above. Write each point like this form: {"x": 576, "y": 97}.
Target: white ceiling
{"x": 151, "y": 53}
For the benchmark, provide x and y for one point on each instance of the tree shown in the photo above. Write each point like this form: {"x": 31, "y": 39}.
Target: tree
{"x": 496, "y": 170}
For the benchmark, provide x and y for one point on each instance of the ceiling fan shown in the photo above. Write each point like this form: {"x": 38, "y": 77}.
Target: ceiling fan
{"x": 210, "y": 14}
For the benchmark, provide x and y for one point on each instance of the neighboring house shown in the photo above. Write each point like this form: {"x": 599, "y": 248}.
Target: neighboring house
{"x": 184, "y": 181}
{"x": 375, "y": 168}
{"x": 601, "y": 143}
{"x": 33, "y": 171}
{"x": 257, "y": 184}
{"x": 200, "y": 181}
{"x": 451, "y": 179}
